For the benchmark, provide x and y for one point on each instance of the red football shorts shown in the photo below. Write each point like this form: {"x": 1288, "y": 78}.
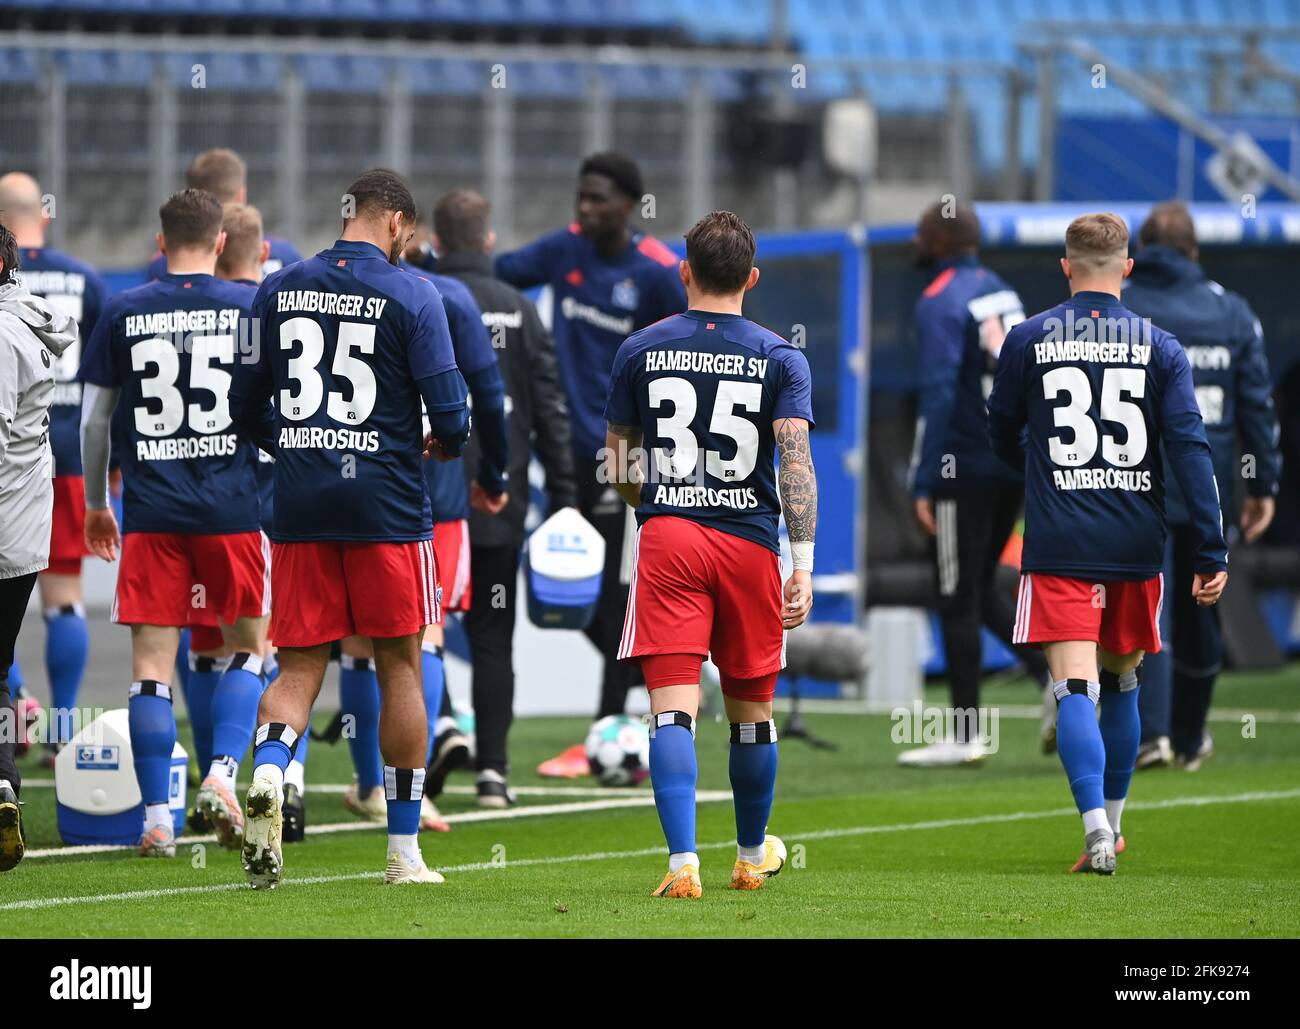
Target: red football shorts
{"x": 1120, "y": 616}
{"x": 451, "y": 549}
{"x": 204, "y": 638}
{"x": 181, "y": 579}
{"x": 697, "y": 590}
{"x": 328, "y": 590}
{"x": 68, "y": 526}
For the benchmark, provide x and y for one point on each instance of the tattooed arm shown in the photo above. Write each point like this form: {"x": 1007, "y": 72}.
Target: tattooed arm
{"x": 797, "y": 481}
{"x": 623, "y": 469}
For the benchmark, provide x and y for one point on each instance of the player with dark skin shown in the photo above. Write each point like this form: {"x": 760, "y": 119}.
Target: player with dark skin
{"x": 603, "y": 214}
{"x": 937, "y": 239}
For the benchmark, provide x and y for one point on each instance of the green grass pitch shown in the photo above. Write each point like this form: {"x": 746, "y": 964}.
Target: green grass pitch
{"x": 876, "y": 850}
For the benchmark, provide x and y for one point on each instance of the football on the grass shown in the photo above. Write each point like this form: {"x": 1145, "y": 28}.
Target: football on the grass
{"x": 618, "y": 749}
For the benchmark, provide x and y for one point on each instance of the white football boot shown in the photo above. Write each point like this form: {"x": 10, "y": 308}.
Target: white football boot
{"x": 1099, "y": 846}
{"x": 400, "y": 872}
{"x": 218, "y": 805}
{"x": 261, "y": 855}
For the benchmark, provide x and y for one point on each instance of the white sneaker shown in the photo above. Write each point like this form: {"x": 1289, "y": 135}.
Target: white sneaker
{"x": 373, "y": 806}
{"x": 1156, "y": 753}
{"x": 399, "y": 871}
{"x": 261, "y": 855}
{"x": 1203, "y": 753}
{"x": 947, "y": 754}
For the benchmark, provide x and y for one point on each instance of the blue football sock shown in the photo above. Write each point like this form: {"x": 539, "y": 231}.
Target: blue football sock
{"x": 66, "y": 644}
{"x": 673, "y": 773}
{"x": 153, "y": 737}
{"x": 15, "y": 680}
{"x": 271, "y": 670}
{"x": 1078, "y": 740}
{"x": 275, "y": 743}
{"x": 403, "y": 788}
{"x": 753, "y": 778}
{"x": 359, "y": 698}
{"x": 234, "y": 706}
{"x": 435, "y": 679}
{"x": 205, "y": 675}
{"x": 183, "y": 665}
{"x": 1121, "y": 731}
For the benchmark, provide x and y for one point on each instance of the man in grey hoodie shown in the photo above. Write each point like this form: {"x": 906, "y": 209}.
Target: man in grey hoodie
{"x": 32, "y": 336}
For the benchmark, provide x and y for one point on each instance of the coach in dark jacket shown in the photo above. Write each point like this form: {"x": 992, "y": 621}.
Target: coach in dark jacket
{"x": 1225, "y": 348}
{"x": 537, "y": 423}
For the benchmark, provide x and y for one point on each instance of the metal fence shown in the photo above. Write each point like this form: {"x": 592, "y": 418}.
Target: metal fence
{"x": 109, "y": 143}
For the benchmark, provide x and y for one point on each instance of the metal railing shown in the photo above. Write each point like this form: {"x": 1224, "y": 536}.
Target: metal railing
{"x": 116, "y": 150}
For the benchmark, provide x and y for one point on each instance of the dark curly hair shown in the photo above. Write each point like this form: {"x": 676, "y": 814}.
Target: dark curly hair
{"x": 8, "y": 256}
{"x": 381, "y": 190}
{"x": 619, "y": 169}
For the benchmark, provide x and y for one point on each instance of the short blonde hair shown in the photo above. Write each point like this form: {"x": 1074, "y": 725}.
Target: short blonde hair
{"x": 242, "y": 224}
{"x": 220, "y": 171}
{"x": 1097, "y": 242}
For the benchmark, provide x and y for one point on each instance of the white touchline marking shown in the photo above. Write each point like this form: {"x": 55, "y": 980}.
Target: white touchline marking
{"x": 610, "y": 855}
{"x": 528, "y": 811}
{"x": 458, "y": 791}
{"x": 1012, "y": 711}
{"x": 523, "y": 791}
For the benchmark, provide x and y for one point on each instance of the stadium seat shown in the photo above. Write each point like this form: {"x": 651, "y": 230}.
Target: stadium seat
{"x": 229, "y": 71}
{"x": 445, "y": 78}
{"x": 556, "y": 79}
{"x": 19, "y": 66}
{"x": 452, "y": 12}
{"x": 331, "y": 74}
{"x": 485, "y": 12}
{"x": 725, "y": 84}
{"x": 1277, "y": 12}
{"x": 639, "y": 82}
{"x": 106, "y": 68}
{"x": 404, "y": 11}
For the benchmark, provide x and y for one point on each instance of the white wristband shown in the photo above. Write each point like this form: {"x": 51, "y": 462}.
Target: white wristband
{"x": 802, "y": 555}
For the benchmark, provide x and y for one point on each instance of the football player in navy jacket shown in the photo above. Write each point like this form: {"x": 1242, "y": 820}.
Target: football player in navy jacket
{"x": 193, "y": 551}
{"x": 700, "y": 406}
{"x": 1101, "y": 402}
{"x": 1225, "y": 348}
{"x": 350, "y": 344}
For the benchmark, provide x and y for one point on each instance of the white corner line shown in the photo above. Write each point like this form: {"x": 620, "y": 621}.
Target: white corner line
{"x": 459, "y": 818}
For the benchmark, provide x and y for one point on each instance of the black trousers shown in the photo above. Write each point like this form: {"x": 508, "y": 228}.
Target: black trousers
{"x": 1178, "y": 682}
{"x": 490, "y": 626}
{"x": 972, "y": 528}
{"x": 604, "y": 508}
{"x": 14, "y": 594}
